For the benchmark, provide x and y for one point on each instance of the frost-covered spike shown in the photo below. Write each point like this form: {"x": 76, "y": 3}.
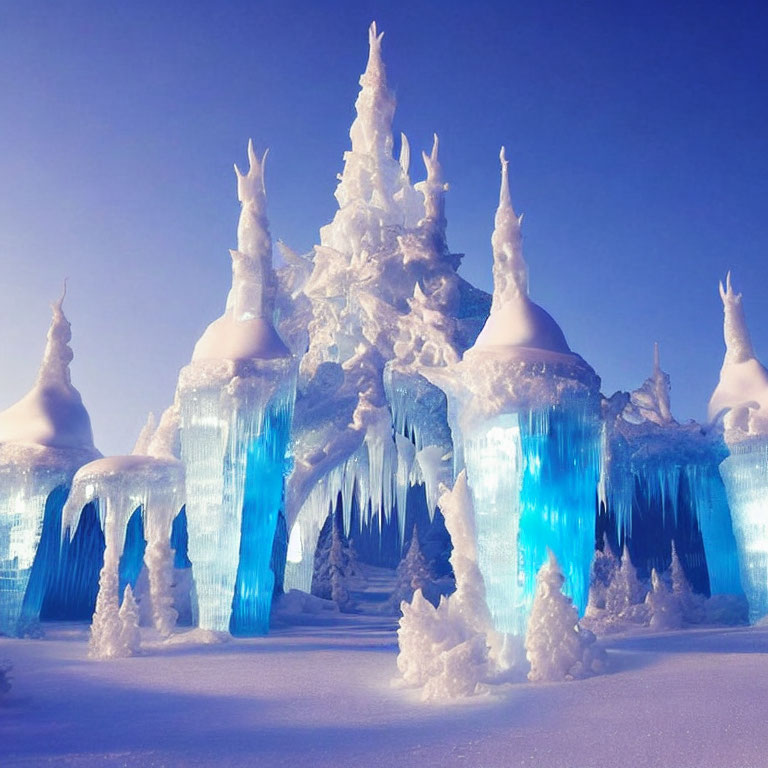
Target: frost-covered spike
{"x": 375, "y": 66}
{"x": 145, "y": 436}
{"x": 738, "y": 344}
{"x": 405, "y": 154}
{"x": 510, "y": 272}
{"x": 433, "y": 189}
{"x": 54, "y": 370}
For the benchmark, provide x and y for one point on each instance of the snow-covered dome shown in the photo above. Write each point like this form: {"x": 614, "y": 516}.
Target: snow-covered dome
{"x": 521, "y": 322}
{"x": 228, "y": 339}
{"x": 52, "y": 413}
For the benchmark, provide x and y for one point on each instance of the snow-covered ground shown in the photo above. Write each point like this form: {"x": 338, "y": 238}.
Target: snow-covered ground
{"x": 323, "y": 695}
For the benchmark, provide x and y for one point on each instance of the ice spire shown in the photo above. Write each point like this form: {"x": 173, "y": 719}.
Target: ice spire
{"x": 370, "y": 170}
{"x": 738, "y": 345}
{"x": 742, "y": 392}
{"x": 253, "y": 289}
{"x": 515, "y": 321}
{"x": 651, "y": 401}
{"x": 54, "y": 370}
{"x": 661, "y": 386}
{"x": 510, "y": 272}
{"x": 433, "y": 188}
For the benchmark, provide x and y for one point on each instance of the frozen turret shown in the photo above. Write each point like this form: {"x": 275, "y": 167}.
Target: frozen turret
{"x": 233, "y": 411}
{"x": 51, "y": 414}
{"x": 741, "y": 400}
{"x": 245, "y": 331}
{"x": 44, "y": 438}
{"x": 524, "y": 415}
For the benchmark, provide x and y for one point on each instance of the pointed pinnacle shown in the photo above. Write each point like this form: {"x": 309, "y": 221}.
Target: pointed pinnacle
{"x": 505, "y": 199}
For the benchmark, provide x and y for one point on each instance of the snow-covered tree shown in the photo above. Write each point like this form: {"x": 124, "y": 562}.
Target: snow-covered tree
{"x": 691, "y": 605}
{"x": 664, "y": 608}
{"x": 625, "y": 589}
{"x": 604, "y": 567}
{"x": 130, "y": 636}
{"x": 556, "y": 647}
{"x": 335, "y": 565}
{"x": 412, "y": 573}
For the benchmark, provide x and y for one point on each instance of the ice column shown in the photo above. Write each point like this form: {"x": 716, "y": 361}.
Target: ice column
{"x": 120, "y": 485}
{"x": 525, "y": 410}
{"x": 236, "y": 404}
{"x": 44, "y": 438}
{"x": 741, "y": 400}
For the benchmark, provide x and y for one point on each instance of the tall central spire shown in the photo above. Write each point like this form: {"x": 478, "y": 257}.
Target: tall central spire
{"x": 370, "y": 170}
{"x": 510, "y": 272}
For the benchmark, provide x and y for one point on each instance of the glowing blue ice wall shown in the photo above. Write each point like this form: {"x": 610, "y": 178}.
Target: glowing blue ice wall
{"x": 665, "y": 486}
{"x": 28, "y": 501}
{"x": 533, "y": 477}
{"x": 745, "y": 474}
{"x": 234, "y": 450}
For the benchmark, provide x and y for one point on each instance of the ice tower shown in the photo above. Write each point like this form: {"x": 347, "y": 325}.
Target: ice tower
{"x": 525, "y": 417}
{"x": 44, "y": 438}
{"x": 383, "y": 289}
{"x": 235, "y": 403}
{"x": 661, "y": 485}
{"x": 740, "y": 400}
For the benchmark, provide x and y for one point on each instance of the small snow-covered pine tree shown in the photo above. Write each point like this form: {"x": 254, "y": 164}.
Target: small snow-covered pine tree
{"x": 130, "y": 636}
{"x": 556, "y": 647}
{"x": 625, "y": 589}
{"x": 604, "y": 567}
{"x": 691, "y": 605}
{"x": 335, "y": 565}
{"x": 412, "y": 573}
{"x": 664, "y": 608}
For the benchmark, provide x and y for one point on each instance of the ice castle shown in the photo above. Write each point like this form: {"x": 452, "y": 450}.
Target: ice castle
{"x": 364, "y": 377}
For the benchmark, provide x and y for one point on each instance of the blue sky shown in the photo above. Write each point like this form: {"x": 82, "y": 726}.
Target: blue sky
{"x": 636, "y": 133}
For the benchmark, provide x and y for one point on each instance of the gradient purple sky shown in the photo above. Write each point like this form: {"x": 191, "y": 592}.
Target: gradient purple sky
{"x": 636, "y": 133}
